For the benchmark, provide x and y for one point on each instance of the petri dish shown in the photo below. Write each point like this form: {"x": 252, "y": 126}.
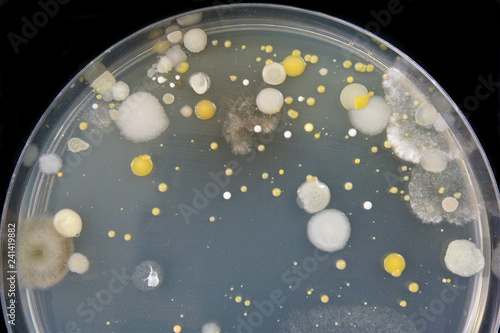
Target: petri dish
{"x": 206, "y": 232}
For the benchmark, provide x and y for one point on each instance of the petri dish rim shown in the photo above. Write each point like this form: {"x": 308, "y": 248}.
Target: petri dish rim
{"x": 322, "y": 24}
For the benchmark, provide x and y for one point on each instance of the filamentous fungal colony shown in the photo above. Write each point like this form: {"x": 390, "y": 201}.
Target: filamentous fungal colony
{"x": 253, "y": 180}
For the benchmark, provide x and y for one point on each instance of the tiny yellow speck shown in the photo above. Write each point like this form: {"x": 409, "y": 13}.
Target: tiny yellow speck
{"x": 321, "y": 89}
{"x": 370, "y": 68}
{"x": 155, "y": 211}
{"x": 441, "y": 190}
{"x": 310, "y": 101}
{"x": 288, "y": 99}
{"x": 243, "y": 188}
{"x": 261, "y": 147}
{"x": 276, "y": 192}
{"x": 268, "y": 48}
{"x": 374, "y": 149}
{"x": 162, "y": 187}
{"x": 406, "y": 198}
{"x": 403, "y": 303}
{"x": 238, "y": 299}
{"x": 258, "y": 59}
{"x": 348, "y": 186}
{"x": 215, "y": 42}
{"x": 317, "y": 135}
{"x": 387, "y": 144}
{"x": 177, "y": 168}
{"x": 347, "y": 64}
{"x": 341, "y": 264}
{"x": 308, "y": 127}
{"x": 314, "y": 59}
{"x": 262, "y": 47}
{"x": 227, "y": 43}
{"x": 83, "y": 126}
{"x": 111, "y": 233}
{"x": 448, "y": 280}
{"x": 177, "y": 329}
{"x": 247, "y": 302}
{"x": 211, "y": 218}
{"x": 350, "y": 79}
{"x": 296, "y": 53}
{"x": 416, "y": 103}
{"x": 457, "y": 195}
{"x": 214, "y": 145}
{"x": 59, "y": 174}
{"x": 310, "y": 291}
{"x": 393, "y": 190}
{"x": 292, "y": 114}
{"x": 324, "y": 298}
{"x": 357, "y": 161}
{"x": 269, "y": 61}
{"x": 243, "y": 47}
{"x": 405, "y": 116}
{"x": 111, "y": 105}
{"x": 127, "y": 237}
{"x": 265, "y": 175}
{"x": 281, "y": 172}
{"x": 404, "y": 168}
{"x": 99, "y": 97}
{"x": 228, "y": 172}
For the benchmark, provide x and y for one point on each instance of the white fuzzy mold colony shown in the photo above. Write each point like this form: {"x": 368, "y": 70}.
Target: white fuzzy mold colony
{"x": 445, "y": 195}
{"x": 349, "y": 319}
{"x": 415, "y": 124}
{"x": 463, "y": 258}
{"x": 439, "y": 188}
{"x": 373, "y": 118}
{"x": 313, "y": 196}
{"x": 120, "y": 91}
{"x": 329, "y": 230}
{"x": 50, "y": 164}
{"x": 210, "y": 328}
{"x": 174, "y": 56}
{"x": 141, "y": 118}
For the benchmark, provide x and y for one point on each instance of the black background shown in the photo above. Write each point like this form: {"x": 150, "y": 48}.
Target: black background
{"x": 457, "y": 43}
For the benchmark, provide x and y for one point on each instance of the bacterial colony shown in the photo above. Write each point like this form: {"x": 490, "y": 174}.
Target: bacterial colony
{"x": 322, "y": 155}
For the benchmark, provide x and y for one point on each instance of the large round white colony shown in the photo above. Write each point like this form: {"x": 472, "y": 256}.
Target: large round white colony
{"x": 141, "y": 118}
{"x": 329, "y": 230}
{"x": 372, "y": 119}
{"x": 464, "y": 258}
